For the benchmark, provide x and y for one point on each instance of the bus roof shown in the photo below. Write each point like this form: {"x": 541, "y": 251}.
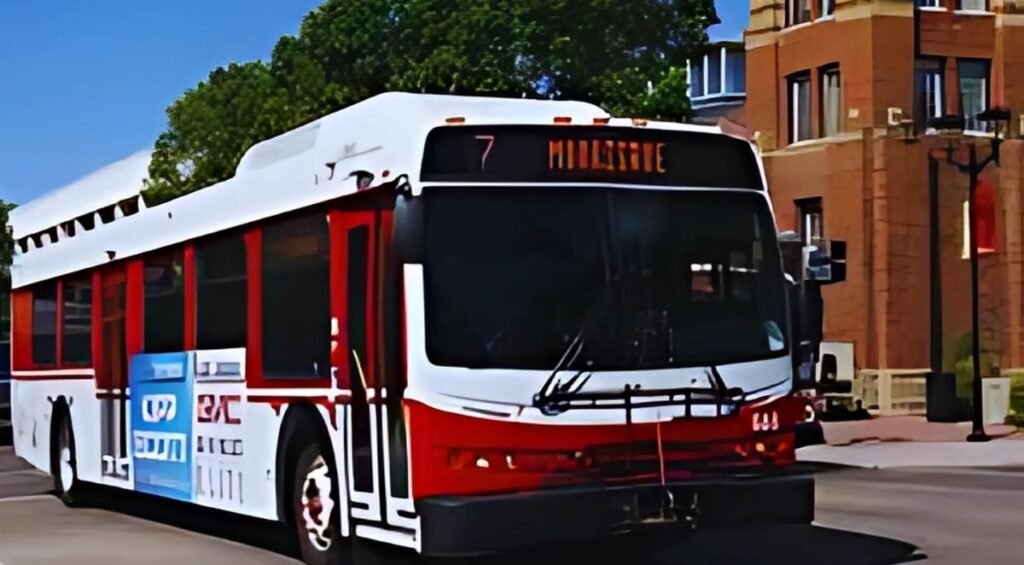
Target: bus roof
{"x": 302, "y": 167}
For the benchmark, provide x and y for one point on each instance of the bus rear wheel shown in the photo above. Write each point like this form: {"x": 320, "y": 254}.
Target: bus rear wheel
{"x": 315, "y": 509}
{"x": 64, "y": 465}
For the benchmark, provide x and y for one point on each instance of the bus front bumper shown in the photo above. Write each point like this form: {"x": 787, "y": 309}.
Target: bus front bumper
{"x": 473, "y": 525}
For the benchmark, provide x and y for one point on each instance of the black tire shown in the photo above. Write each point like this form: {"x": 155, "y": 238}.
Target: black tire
{"x": 64, "y": 465}
{"x": 323, "y": 544}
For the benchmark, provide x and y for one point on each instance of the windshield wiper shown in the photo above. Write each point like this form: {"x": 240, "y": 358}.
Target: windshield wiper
{"x": 551, "y": 387}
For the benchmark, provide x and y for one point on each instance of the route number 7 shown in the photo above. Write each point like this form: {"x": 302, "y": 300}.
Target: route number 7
{"x": 487, "y": 151}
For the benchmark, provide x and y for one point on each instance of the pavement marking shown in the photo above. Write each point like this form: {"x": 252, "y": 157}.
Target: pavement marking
{"x": 30, "y": 498}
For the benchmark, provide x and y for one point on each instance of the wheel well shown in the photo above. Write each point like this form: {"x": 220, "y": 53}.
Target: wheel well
{"x": 60, "y": 412}
{"x": 302, "y": 424}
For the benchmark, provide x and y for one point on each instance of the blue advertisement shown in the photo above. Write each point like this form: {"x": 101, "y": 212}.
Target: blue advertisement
{"x": 161, "y": 423}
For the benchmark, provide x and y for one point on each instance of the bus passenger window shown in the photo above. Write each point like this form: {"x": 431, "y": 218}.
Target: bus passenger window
{"x": 221, "y": 293}
{"x": 76, "y": 329}
{"x": 164, "y": 309}
{"x": 296, "y": 298}
{"x": 44, "y": 324}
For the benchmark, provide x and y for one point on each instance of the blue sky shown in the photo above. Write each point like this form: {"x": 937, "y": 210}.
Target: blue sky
{"x": 86, "y": 83}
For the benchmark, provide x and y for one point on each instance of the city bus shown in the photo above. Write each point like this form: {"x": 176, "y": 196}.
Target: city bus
{"x": 457, "y": 325}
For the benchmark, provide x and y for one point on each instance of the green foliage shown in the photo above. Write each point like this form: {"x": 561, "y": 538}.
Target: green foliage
{"x": 628, "y": 57}
{"x": 6, "y": 248}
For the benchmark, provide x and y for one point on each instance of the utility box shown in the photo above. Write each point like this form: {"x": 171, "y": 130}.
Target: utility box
{"x": 995, "y": 400}
{"x": 942, "y": 404}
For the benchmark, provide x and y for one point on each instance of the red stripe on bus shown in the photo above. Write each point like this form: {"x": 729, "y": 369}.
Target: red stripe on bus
{"x": 52, "y": 377}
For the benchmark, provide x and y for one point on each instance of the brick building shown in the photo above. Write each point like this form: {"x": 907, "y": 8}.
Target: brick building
{"x": 838, "y": 97}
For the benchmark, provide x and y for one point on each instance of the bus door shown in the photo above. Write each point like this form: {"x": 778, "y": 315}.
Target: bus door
{"x": 112, "y": 373}
{"x": 374, "y": 479}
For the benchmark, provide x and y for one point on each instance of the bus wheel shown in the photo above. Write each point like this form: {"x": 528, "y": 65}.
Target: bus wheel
{"x": 63, "y": 461}
{"x": 315, "y": 509}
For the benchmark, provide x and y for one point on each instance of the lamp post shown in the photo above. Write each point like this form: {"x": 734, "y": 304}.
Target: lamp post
{"x": 953, "y": 126}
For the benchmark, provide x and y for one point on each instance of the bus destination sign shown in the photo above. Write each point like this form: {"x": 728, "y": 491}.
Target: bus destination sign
{"x": 603, "y": 154}
{"x": 607, "y": 155}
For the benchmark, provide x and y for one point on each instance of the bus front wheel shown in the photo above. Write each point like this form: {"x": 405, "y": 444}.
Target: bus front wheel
{"x": 63, "y": 462}
{"x": 315, "y": 509}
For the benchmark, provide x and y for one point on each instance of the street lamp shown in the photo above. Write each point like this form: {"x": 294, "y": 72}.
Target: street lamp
{"x": 953, "y": 127}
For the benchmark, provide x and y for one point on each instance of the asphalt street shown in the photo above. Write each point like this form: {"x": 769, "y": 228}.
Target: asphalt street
{"x": 950, "y": 516}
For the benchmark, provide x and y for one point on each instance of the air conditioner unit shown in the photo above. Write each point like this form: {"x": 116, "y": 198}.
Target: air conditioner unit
{"x": 895, "y": 116}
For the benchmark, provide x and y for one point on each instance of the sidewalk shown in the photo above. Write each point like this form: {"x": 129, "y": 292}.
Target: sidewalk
{"x": 909, "y": 441}
{"x": 905, "y": 428}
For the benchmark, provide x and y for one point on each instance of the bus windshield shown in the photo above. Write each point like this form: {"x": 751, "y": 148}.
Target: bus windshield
{"x": 647, "y": 279}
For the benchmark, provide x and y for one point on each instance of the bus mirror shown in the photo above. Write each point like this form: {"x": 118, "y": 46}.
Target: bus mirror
{"x": 825, "y": 262}
{"x": 791, "y": 250}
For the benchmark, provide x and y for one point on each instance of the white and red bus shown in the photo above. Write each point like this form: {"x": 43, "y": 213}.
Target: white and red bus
{"x": 453, "y": 324}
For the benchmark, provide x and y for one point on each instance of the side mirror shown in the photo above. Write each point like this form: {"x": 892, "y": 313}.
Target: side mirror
{"x": 825, "y": 262}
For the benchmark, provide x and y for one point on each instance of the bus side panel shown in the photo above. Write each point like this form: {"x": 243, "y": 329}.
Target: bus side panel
{"x": 31, "y": 420}
{"x": 86, "y": 417}
{"x": 32, "y": 403}
{"x": 264, "y": 416}
{"x": 261, "y": 432}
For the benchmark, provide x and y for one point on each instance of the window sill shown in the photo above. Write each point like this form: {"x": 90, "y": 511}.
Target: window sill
{"x": 972, "y": 133}
{"x": 819, "y": 141}
{"x": 715, "y": 96}
{"x": 981, "y": 253}
{"x": 828, "y": 18}
{"x": 800, "y": 25}
{"x": 932, "y": 9}
{"x": 973, "y": 13}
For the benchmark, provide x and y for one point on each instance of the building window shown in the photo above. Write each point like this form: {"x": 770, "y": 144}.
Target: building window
{"x": 812, "y": 223}
{"x": 296, "y": 298}
{"x": 929, "y": 91}
{"x": 799, "y": 108}
{"x": 164, "y": 307}
{"x": 828, "y": 7}
{"x": 735, "y": 72}
{"x": 972, "y": 5}
{"x": 76, "y": 329}
{"x": 44, "y": 324}
{"x": 798, "y": 11}
{"x": 985, "y": 212}
{"x": 713, "y": 62}
{"x": 973, "y": 92}
{"x": 697, "y": 79}
{"x": 831, "y": 101}
{"x": 930, "y": 3}
{"x": 221, "y": 293}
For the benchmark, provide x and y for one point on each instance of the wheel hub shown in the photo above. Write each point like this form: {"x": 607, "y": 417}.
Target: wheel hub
{"x": 67, "y": 470}
{"x": 317, "y": 505}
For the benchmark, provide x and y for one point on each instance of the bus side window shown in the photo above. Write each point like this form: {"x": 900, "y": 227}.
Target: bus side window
{"x": 296, "y": 298}
{"x": 44, "y": 324}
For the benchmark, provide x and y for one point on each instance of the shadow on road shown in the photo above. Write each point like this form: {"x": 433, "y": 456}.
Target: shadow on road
{"x": 249, "y": 531}
{"x": 781, "y": 545}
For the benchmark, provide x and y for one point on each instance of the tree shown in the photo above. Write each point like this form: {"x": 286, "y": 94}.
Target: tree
{"x": 210, "y": 128}
{"x": 6, "y": 249}
{"x": 628, "y": 57}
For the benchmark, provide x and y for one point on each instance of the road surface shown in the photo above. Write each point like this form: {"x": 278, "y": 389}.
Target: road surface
{"x": 950, "y": 516}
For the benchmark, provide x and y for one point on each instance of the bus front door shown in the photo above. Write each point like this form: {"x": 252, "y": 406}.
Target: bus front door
{"x": 377, "y": 478}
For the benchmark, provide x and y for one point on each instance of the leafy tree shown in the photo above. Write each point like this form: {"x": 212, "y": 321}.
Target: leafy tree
{"x": 628, "y": 57}
{"x": 210, "y": 128}
{"x": 6, "y": 249}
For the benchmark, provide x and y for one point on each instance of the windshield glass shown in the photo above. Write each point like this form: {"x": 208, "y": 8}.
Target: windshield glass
{"x": 647, "y": 278}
